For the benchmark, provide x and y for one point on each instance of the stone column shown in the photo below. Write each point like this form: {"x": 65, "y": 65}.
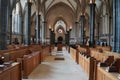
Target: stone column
{"x": 10, "y": 28}
{"x": 45, "y": 24}
{"x": 50, "y": 37}
{"x": 53, "y": 37}
{"x": 92, "y": 24}
{"x": 37, "y": 29}
{"x": 3, "y": 24}
{"x": 66, "y": 38}
{"x": 98, "y": 31}
{"x": 76, "y": 31}
{"x": 110, "y": 19}
{"x": 22, "y": 39}
{"x": 27, "y": 32}
{"x": 116, "y": 26}
{"x": 82, "y": 24}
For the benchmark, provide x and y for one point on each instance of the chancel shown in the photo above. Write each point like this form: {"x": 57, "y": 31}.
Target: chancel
{"x": 59, "y": 40}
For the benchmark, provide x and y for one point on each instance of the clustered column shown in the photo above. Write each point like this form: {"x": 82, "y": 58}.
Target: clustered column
{"x": 10, "y": 28}
{"x": 68, "y": 36}
{"x": 68, "y": 39}
{"x": 116, "y": 26}
{"x": 52, "y": 37}
{"x": 37, "y": 29}
{"x": 76, "y": 31}
{"x": 27, "y": 32}
{"x": 82, "y": 24}
{"x": 44, "y": 32}
{"x": 3, "y": 24}
{"x": 92, "y": 24}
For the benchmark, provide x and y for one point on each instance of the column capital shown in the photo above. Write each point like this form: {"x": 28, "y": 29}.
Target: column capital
{"x": 92, "y": 4}
{"x": 28, "y": 3}
{"x": 82, "y": 15}
{"x": 44, "y": 21}
{"x": 92, "y": 1}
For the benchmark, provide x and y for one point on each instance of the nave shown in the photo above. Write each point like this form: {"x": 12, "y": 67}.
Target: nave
{"x": 30, "y": 29}
{"x": 61, "y": 69}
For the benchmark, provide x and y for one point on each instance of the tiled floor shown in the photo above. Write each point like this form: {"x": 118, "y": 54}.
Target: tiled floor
{"x": 53, "y": 69}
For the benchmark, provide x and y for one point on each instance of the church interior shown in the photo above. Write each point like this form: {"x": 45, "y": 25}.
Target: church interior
{"x": 59, "y": 40}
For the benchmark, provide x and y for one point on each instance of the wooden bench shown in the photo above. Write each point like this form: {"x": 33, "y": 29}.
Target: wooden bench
{"x": 104, "y": 56}
{"x": 12, "y": 72}
{"x": 45, "y": 52}
{"x": 30, "y": 62}
{"x": 104, "y": 48}
{"x": 87, "y": 63}
{"x": 18, "y": 54}
{"x": 10, "y": 50}
{"x": 102, "y": 74}
{"x": 90, "y": 66}
{"x": 73, "y": 53}
{"x": 83, "y": 49}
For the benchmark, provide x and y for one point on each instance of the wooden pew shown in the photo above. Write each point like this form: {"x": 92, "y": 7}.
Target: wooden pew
{"x": 99, "y": 56}
{"x": 30, "y": 62}
{"x": 104, "y": 48}
{"x": 12, "y": 72}
{"x": 87, "y": 63}
{"x": 102, "y": 74}
{"x": 45, "y": 52}
{"x": 83, "y": 49}
{"x": 18, "y": 54}
{"x": 108, "y": 53}
{"x": 109, "y": 58}
{"x": 13, "y": 49}
{"x": 73, "y": 53}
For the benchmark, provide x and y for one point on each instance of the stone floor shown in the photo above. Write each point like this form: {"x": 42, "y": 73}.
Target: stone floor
{"x": 52, "y": 69}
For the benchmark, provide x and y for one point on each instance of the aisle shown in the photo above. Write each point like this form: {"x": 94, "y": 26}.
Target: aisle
{"x": 63, "y": 68}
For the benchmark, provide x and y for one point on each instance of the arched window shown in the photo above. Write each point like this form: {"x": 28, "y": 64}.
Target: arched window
{"x": 60, "y": 31}
{"x": 17, "y": 19}
{"x": 60, "y": 23}
{"x": 13, "y": 21}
